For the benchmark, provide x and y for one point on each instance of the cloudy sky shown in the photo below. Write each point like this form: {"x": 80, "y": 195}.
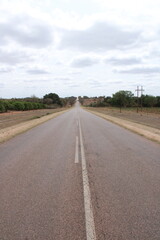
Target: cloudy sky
{"x": 73, "y": 47}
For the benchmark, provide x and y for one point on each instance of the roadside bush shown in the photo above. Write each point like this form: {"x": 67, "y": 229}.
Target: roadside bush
{"x": 98, "y": 104}
{"x": 36, "y": 105}
{"x": 19, "y": 106}
{"x": 28, "y": 106}
{"x": 13, "y": 105}
{"x": 8, "y": 105}
{"x": 2, "y": 107}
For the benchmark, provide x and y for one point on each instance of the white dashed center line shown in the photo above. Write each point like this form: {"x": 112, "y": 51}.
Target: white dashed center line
{"x": 89, "y": 218}
{"x": 76, "y": 151}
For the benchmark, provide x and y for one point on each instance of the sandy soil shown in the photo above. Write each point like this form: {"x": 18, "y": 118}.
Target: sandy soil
{"x": 144, "y": 118}
{"x": 14, "y": 117}
{"x": 147, "y": 126}
{"x": 18, "y": 122}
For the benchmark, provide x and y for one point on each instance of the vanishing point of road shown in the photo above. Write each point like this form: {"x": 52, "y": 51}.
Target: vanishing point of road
{"x": 79, "y": 176}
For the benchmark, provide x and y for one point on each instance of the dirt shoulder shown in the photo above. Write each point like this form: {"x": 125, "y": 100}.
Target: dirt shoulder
{"x": 15, "y": 117}
{"x": 17, "y": 127}
{"x": 132, "y": 122}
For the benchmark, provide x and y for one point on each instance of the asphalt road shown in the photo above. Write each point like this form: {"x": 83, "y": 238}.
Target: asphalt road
{"x": 79, "y": 177}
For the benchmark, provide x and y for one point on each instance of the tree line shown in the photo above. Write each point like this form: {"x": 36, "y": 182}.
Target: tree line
{"x": 122, "y": 99}
{"x": 14, "y": 105}
{"x": 51, "y": 100}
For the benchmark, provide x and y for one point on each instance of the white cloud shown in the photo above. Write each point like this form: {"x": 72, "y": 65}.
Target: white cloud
{"x": 14, "y": 57}
{"x": 123, "y": 61}
{"x": 141, "y": 70}
{"x": 2, "y": 85}
{"x": 5, "y": 70}
{"x": 25, "y": 31}
{"x": 136, "y": 7}
{"x": 37, "y": 71}
{"x": 100, "y": 37}
{"x": 83, "y": 62}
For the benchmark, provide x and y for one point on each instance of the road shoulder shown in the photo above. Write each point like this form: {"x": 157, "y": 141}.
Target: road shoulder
{"x": 148, "y": 132}
{"x": 10, "y": 132}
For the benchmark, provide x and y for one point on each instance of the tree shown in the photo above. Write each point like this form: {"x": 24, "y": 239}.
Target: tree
{"x": 71, "y": 100}
{"x": 108, "y": 100}
{"x": 81, "y": 100}
{"x": 48, "y": 101}
{"x": 158, "y": 101}
{"x": 149, "y": 100}
{"x": 122, "y": 99}
{"x": 68, "y": 101}
{"x": 85, "y": 97}
{"x": 54, "y": 97}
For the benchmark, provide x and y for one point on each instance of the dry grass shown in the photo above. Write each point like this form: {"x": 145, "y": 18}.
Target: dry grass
{"x": 13, "y": 118}
{"x": 22, "y": 121}
{"x": 148, "y": 118}
{"x": 147, "y": 126}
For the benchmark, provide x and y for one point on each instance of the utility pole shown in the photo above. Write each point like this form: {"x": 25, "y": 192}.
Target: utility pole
{"x": 139, "y": 90}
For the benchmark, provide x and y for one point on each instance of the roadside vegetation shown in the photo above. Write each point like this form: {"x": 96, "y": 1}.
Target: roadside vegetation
{"x": 49, "y": 101}
{"x": 124, "y": 100}
{"x": 14, "y": 105}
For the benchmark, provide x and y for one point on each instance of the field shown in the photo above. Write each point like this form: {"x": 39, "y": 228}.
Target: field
{"x": 149, "y": 117}
{"x": 12, "y": 118}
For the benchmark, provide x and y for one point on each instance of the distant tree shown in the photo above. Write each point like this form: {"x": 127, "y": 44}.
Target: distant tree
{"x": 158, "y": 101}
{"x": 122, "y": 99}
{"x": 108, "y": 101}
{"x": 81, "y": 100}
{"x": 64, "y": 101}
{"x": 85, "y": 97}
{"x": 71, "y": 100}
{"x": 54, "y": 97}
{"x": 33, "y": 98}
{"x": 149, "y": 100}
{"x": 47, "y": 101}
{"x": 68, "y": 101}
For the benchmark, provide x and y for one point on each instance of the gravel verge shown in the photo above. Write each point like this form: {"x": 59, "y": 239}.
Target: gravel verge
{"x": 146, "y": 131}
{"x": 10, "y": 132}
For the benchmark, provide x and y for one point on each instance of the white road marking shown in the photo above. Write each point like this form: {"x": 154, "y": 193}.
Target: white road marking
{"x": 76, "y": 151}
{"x": 89, "y": 219}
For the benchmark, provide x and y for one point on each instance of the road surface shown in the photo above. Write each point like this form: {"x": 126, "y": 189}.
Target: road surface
{"x": 79, "y": 177}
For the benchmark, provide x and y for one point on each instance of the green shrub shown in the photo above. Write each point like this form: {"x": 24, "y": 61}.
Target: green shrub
{"x": 28, "y": 106}
{"x": 6, "y": 105}
{"x": 19, "y": 106}
{"x": 2, "y": 107}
